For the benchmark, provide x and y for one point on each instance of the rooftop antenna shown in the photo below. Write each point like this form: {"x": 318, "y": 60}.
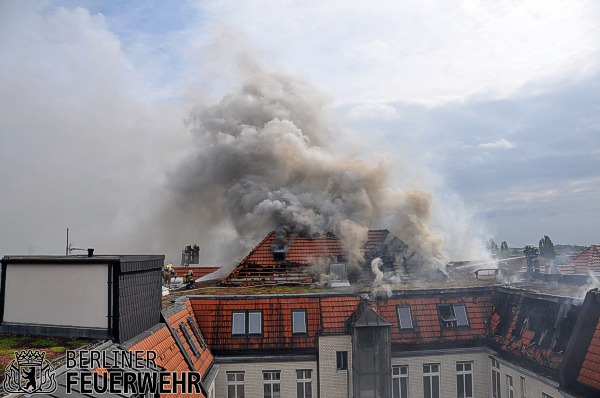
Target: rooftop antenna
{"x": 71, "y": 249}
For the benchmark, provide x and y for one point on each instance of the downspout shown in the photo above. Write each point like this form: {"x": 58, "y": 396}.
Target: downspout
{"x": 109, "y": 309}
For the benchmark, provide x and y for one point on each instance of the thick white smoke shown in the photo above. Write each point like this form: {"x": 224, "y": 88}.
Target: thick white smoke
{"x": 262, "y": 161}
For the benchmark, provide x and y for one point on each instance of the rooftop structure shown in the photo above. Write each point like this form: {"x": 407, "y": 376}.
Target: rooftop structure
{"x": 261, "y": 337}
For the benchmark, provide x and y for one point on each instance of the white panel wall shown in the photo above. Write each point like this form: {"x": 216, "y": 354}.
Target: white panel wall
{"x": 57, "y": 294}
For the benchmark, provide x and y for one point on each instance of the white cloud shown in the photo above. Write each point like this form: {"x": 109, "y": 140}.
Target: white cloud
{"x": 502, "y": 143}
{"x": 425, "y": 52}
{"x": 371, "y": 111}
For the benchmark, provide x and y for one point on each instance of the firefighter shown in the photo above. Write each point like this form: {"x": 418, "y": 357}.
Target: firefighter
{"x": 168, "y": 273}
{"x": 189, "y": 279}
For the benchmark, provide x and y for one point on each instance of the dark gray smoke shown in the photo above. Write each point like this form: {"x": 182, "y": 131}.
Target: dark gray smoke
{"x": 263, "y": 161}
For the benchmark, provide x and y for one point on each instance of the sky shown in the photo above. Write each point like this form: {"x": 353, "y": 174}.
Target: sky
{"x": 492, "y": 106}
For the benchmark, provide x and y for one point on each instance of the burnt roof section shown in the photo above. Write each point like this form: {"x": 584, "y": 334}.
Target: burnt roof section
{"x": 268, "y": 263}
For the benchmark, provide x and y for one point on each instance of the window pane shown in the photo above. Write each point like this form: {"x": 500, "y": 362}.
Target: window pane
{"x": 460, "y": 387}
{"x": 405, "y": 319}
{"x": 461, "y": 315}
{"x": 404, "y": 388}
{"x": 239, "y": 323}
{"x": 435, "y": 387}
{"x": 427, "y": 387}
{"x": 255, "y": 323}
{"x": 267, "y": 391}
{"x": 299, "y": 322}
{"x": 396, "y": 388}
{"x": 469, "y": 385}
{"x": 230, "y": 391}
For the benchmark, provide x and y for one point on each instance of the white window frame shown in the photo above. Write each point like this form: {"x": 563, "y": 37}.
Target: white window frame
{"x": 510, "y": 386}
{"x": 463, "y": 369}
{"x": 304, "y": 383}
{"x": 496, "y": 388}
{"x": 271, "y": 383}
{"x": 523, "y": 388}
{"x": 400, "y": 376}
{"x": 432, "y": 371}
{"x": 238, "y": 382}
{"x": 299, "y": 315}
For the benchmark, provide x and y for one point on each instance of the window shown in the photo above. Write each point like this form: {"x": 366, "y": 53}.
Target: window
{"x": 400, "y": 381}
{"x": 235, "y": 385}
{"x": 523, "y": 391}
{"x": 341, "y": 360}
{"x": 246, "y": 323}
{"x": 304, "y": 383}
{"x": 510, "y": 388}
{"x": 431, "y": 380}
{"x": 337, "y": 272}
{"x": 272, "y": 384}
{"x": 453, "y": 315}
{"x": 299, "y": 321}
{"x": 197, "y": 333}
{"x": 189, "y": 340}
{"x": 464, "y": 379}
{"x": 404, "y": 318}
{"x": 495, "y": 378}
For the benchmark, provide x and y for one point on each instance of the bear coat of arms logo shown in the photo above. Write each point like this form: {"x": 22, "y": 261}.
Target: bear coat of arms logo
{"x": 30, "y": 372}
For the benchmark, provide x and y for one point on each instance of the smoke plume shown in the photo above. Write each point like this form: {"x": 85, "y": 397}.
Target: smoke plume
{"x": 263, "y": 160}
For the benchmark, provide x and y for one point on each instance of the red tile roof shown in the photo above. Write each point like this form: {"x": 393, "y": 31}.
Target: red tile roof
{"x": 584, "y": 262}
{"x": 590, "y": 370}
{"x": 323, "y": 315}
{"x": 426, "y": 321}
{"x": 328, "y": 314}
{"x": 168, "y": 354}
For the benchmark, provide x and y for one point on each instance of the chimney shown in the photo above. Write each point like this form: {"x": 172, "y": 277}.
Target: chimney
{"x": 90, "y": 252}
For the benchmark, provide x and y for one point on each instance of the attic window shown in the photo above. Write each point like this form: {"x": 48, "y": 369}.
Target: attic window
{"x": 189, "y": 340}
{"x": 337, "y": 272}
{"x": 279, "y": 254}
{"x": 197, "y": 333}
{"x": 453, "y": 315}
{"x": 404, "y": 318}
{"x": 246, "y": 323}
{"x": 299, "y": 321}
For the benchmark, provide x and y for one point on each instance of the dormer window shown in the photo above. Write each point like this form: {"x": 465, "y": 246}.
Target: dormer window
{"x": 453, "y": 315}
{"x": 279, "y": 254}
{"x": 246, "y": 323}
{"x": 337, "y": 272}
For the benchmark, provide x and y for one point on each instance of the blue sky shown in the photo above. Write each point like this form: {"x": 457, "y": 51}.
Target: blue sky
{"x": 493, "y": 106}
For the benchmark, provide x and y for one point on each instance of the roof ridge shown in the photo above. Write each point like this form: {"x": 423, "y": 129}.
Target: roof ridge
{"x": 257, "y": 246}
